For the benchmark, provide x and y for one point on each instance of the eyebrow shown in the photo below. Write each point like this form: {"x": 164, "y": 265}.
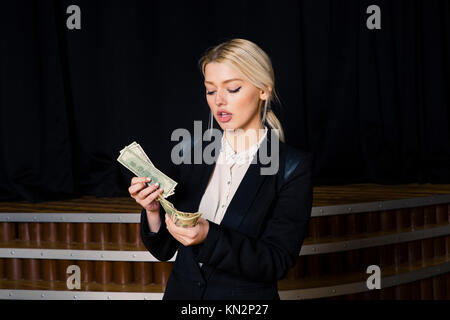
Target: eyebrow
{"x": 229, "y": 80}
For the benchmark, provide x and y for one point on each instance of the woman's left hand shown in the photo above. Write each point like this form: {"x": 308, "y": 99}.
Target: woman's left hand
{"x": 188, "y": 236}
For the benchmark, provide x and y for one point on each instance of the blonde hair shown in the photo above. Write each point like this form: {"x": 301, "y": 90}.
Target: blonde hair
{"x": 255, "y": 66}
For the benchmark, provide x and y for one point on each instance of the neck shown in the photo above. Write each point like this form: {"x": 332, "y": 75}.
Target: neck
{"x": 242, "y": 139}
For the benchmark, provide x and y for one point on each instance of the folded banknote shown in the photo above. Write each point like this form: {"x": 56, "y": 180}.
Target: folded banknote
{"x": 136, "y": 160}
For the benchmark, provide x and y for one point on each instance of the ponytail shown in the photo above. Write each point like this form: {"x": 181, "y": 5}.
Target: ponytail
{"x": 271, "y": 119}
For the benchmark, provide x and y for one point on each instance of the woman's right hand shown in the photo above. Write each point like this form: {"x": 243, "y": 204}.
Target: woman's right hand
{"x": 145, "y": 196}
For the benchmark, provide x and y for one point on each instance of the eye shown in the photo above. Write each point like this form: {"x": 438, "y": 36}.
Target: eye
{"x": 230, "y": 91}
{"x": 235, "y": 90}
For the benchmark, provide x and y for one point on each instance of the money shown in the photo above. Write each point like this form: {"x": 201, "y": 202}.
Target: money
{"x": 136, "y": 148}
{"x": 141, "y": 168}
{"x": 186, "y": 223}
{"x": 180, "y": 218}
{"x": 136, "y": 160}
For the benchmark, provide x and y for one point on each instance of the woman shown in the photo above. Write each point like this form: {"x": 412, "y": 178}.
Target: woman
{"x": 253, "y": 225}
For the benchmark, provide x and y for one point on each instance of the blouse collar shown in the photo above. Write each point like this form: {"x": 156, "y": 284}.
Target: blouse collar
{"x": 242, "y": 157}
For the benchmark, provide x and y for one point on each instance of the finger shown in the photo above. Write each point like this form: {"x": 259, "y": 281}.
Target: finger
{"x": 167, "y": 219}
{"x": 135, "y": 180}
{"x": 145, "y": 192}
{"x": 136, "y": 188}
{"x": 169, "y": 228}
{"x": 184, "y": 232}
{"x": 170, "y": 222}
{"x": 176, "y": 236}
{"x": 171, "y": 225}
{"x": 192, "y": 232}
{"x": 150, "y": 198}
{"x": 173, "y": 230}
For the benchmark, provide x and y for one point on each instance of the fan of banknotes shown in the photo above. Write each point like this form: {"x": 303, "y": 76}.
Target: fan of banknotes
{"x": 136, "y": 160}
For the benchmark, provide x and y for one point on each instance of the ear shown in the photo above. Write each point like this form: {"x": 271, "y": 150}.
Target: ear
{"x": 264, "y": 94}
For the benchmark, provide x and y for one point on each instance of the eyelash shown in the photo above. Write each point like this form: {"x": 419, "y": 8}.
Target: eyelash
{"x": 230, "y": 91}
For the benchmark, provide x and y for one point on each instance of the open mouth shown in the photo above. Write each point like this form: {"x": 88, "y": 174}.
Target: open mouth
{"x": 224, "y": 116}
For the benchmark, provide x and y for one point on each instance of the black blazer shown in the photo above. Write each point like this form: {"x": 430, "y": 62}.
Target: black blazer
{"x": 258, "y": 240}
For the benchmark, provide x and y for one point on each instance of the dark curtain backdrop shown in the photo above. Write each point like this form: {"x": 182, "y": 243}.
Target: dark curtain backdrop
{"x": 372, "y": 105}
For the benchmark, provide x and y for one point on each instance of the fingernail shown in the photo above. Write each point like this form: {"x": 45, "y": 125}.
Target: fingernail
{"x": 156, "y": 184}
{"x": 149, "y": 179}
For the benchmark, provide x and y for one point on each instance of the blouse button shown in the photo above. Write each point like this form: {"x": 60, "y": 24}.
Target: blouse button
{"x": 223, "y": 206}
{"x": 228, "y": 182}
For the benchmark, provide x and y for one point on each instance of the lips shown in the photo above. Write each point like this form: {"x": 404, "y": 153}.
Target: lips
{"x": 224, "y": 116}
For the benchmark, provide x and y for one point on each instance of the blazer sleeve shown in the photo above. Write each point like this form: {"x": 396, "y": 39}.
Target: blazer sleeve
{"x": 162, "y": 245}
{"x": 269, "y": 257}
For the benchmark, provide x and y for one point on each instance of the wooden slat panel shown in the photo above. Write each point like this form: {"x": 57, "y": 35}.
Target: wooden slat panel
{"x": 355, "y": 193}
{"x": 119, "y": 272}
{"x": 425, "y": 288}
{"x": 91, "y": 286}
{"x": 72, "y": 245}
{"x": 323, "y": 196}
{"x": 331, "y": 280}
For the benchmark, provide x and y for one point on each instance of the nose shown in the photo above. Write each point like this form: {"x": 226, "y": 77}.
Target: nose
{"x": 220, "y": 98}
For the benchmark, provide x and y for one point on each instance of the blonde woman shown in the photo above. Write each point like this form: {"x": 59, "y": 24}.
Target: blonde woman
{"x": 253, "y": 225}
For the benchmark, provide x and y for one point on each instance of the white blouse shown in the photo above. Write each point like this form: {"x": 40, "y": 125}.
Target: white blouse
{"x": 228, "y": 172}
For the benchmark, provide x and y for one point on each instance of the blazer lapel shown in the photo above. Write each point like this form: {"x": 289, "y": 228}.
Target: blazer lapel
{"x": 242, "y": 199}
{"x": 245, "y": 194}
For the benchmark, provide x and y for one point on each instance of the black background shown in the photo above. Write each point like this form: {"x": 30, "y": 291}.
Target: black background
{"x": 372, "y": 105}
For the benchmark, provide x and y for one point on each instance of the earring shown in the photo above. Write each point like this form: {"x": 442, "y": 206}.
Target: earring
{"x": 264, "y": 113}
{"x": 210, "y": 123}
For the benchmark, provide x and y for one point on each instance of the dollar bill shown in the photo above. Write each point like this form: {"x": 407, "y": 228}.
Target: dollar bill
{"x": 168, "y": 207}
{"x": 180, "y": 218}
{"x": 142, "y": 168}
{"x": 184, "y": 223}
{"x": 134, "y": 158}
{"x": 136, "y": 148}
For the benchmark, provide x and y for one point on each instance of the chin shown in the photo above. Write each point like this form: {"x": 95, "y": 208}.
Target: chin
{"x": 227, "y": 126}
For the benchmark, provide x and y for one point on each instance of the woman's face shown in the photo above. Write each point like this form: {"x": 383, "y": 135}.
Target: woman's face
{"x": 238, "y": 99}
